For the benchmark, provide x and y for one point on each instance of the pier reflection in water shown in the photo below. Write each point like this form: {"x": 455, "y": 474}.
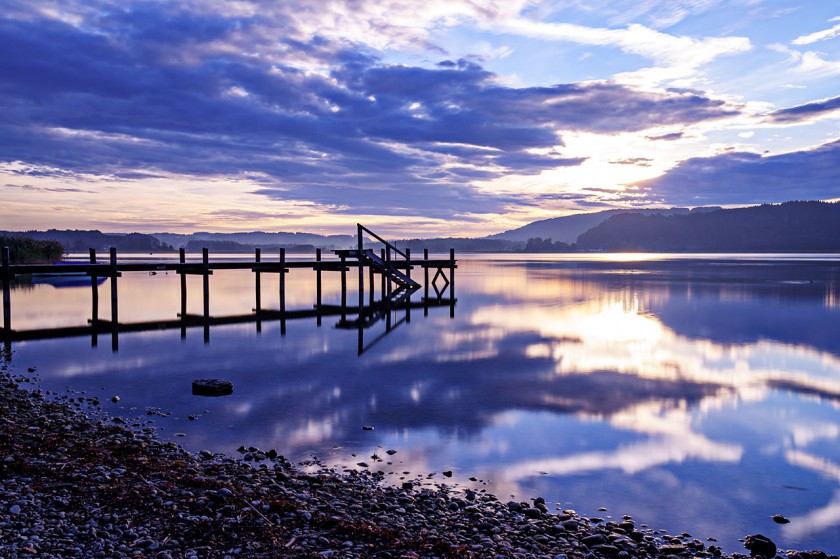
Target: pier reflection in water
{"x": 694, "y": 395}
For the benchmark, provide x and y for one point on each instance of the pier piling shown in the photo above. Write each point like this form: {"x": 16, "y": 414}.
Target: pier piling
{"x": 7, "y": 292}
{"x": 283, "y": 291}
{"x": 318, "y": 299}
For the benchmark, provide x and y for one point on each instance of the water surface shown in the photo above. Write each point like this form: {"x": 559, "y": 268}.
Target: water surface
{"x": 695, "y": 394}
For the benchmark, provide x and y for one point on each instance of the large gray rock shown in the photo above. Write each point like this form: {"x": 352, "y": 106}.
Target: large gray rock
{"x": 212, "y": 387}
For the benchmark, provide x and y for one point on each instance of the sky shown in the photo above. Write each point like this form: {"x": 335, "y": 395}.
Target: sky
{"x": 417, "y": 119}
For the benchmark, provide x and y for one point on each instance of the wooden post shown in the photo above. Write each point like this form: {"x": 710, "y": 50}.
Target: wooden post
{"x": 408, "y": 273}
{"x": 257, "y": 285}
{"x": 388, "y": 267}
{"x": 257, "y": 290}
{"x": 318, "y": 284}
{"x": 115, "y": 340}
{"x": 382, "y": 275}
{"x": 360, "y": 248}
{"x": 371, "y": 291}
{"x": 94, "y": 299}
{"x": 343, "y": 289}
{"x": 426, "y": 282}
{"x": 205, "y": 260}
{"x": 451, "y": 283}
{"x": 182, "y": 258}
{"x": 114, "y": 274}
{"x": 7, "y": 293}
{"x": 282, "y": 291}
{"x": 94, "y": 289}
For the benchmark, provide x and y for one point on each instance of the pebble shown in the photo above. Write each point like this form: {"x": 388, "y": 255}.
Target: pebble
{"x": 91, "y": 488}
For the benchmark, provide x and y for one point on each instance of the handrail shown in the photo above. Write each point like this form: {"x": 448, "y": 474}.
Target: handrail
{"x": 381, "y": 240}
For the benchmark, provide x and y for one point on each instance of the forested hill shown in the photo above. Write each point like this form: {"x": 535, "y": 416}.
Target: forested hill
{"x": 82, "y": 240}
{"x": 787, "y": 227}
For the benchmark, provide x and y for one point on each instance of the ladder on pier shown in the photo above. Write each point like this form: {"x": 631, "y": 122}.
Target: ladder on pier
{"x": 386, "y": 265}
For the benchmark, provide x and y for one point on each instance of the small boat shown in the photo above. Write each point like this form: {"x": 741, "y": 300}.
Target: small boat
{"x": 72, "y": 279}
{"x": 64, "y": 279}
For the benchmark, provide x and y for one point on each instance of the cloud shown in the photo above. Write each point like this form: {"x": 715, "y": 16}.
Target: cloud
{"x": 806, "y": 112}
{"x": 137, "y": 92}
{"x": 640, "y": 161}
{"x": 749, "y": 178}
{"x": 809, "y": 64}
{"x": 817, "y": 36}
{"x": 658, "y": 14}
{"x": 667, "y": 137}
{"x": 675, "y": 57}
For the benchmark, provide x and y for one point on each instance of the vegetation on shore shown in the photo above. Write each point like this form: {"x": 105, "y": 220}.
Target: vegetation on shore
{"x": 788, "y": 227}
{"x": 25, "y": 250}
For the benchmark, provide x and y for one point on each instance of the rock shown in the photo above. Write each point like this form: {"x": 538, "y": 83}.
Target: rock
{"x": 390, "y": 452}
{"x": 779, "y": 519}
{"x": 212, "y": 387}
{"x": 14, "y": 509}
{"x": 115, "y": 399}
{"x": 673, "y": 549}
{"x": 448, "y": 473}
{"x": 760, "y": 546}
{"x": 533, "y": 513}
{"x": 367, "y": 428}
{"x": 593, "y": 540}
{"x": 570, "y": 525}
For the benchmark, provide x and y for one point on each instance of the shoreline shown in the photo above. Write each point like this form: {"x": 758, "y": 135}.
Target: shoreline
{"x": 76, "y": 484}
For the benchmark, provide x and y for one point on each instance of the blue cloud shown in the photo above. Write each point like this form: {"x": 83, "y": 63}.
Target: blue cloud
{"x": 749, "y": 178}
{"x": 806, "y": 111}
{"x": 138, "y": 91}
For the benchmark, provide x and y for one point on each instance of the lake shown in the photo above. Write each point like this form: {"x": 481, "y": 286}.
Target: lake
{"x": 696, "y": 393}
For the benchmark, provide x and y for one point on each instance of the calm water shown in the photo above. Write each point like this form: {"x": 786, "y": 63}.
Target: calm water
{"x": 696, "y": 395}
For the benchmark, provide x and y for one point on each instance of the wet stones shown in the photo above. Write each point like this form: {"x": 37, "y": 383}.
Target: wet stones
{"x": 96, "y": 492}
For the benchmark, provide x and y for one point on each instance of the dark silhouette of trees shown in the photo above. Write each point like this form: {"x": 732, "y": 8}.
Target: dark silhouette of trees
{"x": 538, "y": 244}
{"x": 787, "y": 227}
{"x": 24, "y": 250}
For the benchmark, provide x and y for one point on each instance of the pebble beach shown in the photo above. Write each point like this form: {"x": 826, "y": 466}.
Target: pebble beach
{"x": 79, "y": 484}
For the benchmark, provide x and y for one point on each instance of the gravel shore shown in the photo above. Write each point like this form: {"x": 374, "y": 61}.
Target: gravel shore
{"x": 75, "y": 484}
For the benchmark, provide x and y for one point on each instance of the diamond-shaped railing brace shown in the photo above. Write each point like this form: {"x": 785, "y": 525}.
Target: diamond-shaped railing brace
{"x": 440, "y": 290}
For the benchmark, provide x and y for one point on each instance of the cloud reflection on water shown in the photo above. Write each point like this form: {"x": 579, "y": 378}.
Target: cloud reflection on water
{"x": 593, "y": 383}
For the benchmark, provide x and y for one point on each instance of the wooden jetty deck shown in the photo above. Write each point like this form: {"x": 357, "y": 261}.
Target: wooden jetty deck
{"x": 392, "y": 266}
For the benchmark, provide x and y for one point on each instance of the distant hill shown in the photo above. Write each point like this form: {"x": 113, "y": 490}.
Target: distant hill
{"x": 566, "y": 229}
{"x": 81, "y": 240}
{"x": 253, "y": 239}
{"x": 787, "y": 227}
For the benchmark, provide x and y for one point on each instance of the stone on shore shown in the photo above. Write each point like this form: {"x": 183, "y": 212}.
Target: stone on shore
{"x": 212, "y": 387}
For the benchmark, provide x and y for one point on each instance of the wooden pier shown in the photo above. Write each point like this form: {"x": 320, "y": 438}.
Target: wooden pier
{"x": 392, "y": 266}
